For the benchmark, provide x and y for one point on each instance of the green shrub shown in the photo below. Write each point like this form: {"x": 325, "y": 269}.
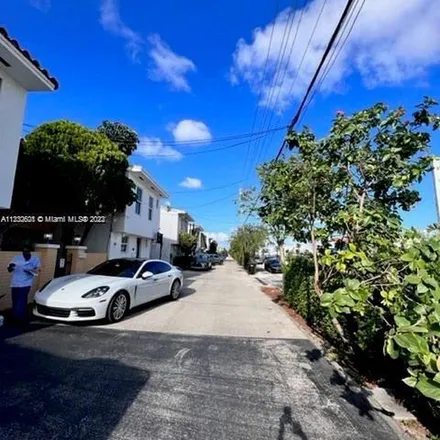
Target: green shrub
{"x": 299, "y": 294}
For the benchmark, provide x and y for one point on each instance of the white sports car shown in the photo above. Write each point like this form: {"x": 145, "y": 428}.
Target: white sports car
{"x": 107, "y": 291}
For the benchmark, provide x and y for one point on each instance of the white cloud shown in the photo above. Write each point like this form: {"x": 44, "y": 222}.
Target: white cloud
{"x": 392, "y": 42}
{"x": 111, "y": 21}
{"x": 153, "y": 148}
{"x": 191, "y": 182}
{"x": 167, "y": 66}
{"x": 41, "y": 5}
{"x": 222, "y": 238}
{"x": 190, "y": 130}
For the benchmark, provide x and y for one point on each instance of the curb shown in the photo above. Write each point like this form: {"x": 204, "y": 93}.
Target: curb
{"x": 381, "y": 411}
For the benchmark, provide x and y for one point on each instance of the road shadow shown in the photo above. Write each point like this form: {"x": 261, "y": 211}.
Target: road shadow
{"x": 190, "y": 276}
{"x": 133, "y": 313}
{"x": 139, "y": 310}
{"x": 47, "y": 396}
{"x": 288, "y": 425}
{"x": 7, "y": 331}
{"x": 313, "y": 355}
{"x": 358, "y": 397}
{"x": 345, "y": 388}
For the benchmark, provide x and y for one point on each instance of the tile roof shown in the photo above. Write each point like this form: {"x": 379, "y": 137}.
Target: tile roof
{"x": 28, "y": 56}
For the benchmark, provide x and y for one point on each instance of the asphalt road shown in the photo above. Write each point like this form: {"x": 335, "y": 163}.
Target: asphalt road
{"x": 99, "y": 383}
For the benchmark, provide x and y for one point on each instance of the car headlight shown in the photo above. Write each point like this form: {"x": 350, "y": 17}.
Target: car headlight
{"x": 96, "y": 293}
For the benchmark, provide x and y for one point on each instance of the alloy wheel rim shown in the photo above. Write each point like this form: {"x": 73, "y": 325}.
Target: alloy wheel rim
{"x": 175, "y": 291}
{"x": 119, "y": 306}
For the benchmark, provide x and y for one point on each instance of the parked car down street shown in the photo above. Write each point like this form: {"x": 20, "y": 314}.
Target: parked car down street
{"x": 202, "y": 261}
{"x": 216, "y": 258}
{"x": 273, "y": 265}
{"x": 107, "y": 291}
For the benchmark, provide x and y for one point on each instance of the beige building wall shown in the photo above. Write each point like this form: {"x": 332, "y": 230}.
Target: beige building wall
{"x": 81, "y": 261}
{"x": 47, "y": 255}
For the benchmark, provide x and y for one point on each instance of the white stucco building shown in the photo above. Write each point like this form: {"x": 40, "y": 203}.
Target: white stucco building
{"x": 19, "y": 74}
{"x": 134, "y": 232}
{"x": 172, "y": 222}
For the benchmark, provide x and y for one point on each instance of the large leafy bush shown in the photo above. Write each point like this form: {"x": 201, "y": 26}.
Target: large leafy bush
{"x": 382, "y": 283}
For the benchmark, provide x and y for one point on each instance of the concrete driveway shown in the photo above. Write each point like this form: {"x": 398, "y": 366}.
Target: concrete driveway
{"x": 222, "y": 302}
{"x": 224, "y": 362}
{"x": 268, "y": 279}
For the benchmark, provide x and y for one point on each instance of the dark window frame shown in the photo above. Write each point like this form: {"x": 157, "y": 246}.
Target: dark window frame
{"x": 124, "y": 243}
{"x": 138, "y": 203}
{"x": 150, "y": 208}
{"x": 148, "y": 264}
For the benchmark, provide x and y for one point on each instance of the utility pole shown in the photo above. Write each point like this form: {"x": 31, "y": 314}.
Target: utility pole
{"x": 436, "y": 174}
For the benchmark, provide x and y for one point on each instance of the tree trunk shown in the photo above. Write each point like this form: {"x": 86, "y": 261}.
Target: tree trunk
{"x": 316, "y": 285}
{"x": 281, "y": 251}
{"x": 361, "y": 209}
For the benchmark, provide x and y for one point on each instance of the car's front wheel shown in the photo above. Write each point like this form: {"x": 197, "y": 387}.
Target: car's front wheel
{"x": 175, "y": 290}
{"x": 118, "y": 307}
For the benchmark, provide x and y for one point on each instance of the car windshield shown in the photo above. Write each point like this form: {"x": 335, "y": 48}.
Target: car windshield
{"x": 117, "y": 268}
{"x": 274, "y": 262}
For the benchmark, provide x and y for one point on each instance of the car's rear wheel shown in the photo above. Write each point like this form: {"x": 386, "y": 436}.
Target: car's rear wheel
{"x": 118, "y": 307}
{"x": 175, "y": 290}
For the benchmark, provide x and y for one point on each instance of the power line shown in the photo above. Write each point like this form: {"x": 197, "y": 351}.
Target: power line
{"x": 303, "y": 57}
{"x": 212, "y": 202}
{"x": 332, "y": 60}
{"x": 192, "y": 153}
{"x": 282, "y": 50}
{"x": 283, "y": 75}
{"x": 194, "y": 141}
{"x": 207, "y": 189}
{"x": 261, "y": 90}
{"x": 329, "y": 47}
{"x": 297, "y": 115}
{"x": 204, "y": 151}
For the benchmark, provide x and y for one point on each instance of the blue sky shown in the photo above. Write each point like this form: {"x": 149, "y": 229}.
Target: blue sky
{"x": 177, "y": 71}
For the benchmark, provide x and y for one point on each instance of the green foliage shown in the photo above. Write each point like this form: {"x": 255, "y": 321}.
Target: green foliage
{"x": 389, "y": 277}
{"x": 122, "y": 135}
{"x": 299, "y": 294}
{"x": 65, "y": 168}
{"x": 187, "y": 242}
{"x": 246, "y": 241}
{"x": 383, "y": 284}
{"x": 296, "y": 194}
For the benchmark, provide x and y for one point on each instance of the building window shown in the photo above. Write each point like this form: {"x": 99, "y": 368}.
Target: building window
{"x": 157, "y": 204}
{"x": 124, "y": 243}
{"x": 138, "y": 200}
{"x": 150, "y": 208}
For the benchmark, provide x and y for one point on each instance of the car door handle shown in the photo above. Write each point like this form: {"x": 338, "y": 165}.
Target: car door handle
{"x": 169, "y": 276}
{"x": 155, "y": 279}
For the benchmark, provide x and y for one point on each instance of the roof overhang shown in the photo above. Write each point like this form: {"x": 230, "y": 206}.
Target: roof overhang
{"x": 138, "y": 171}
{"x": 180, "y": 212}
{"x": 20, "y": 66}
{"x": 187, "y": 216}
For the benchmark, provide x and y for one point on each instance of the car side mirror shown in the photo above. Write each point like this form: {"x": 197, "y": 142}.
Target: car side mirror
{"x": 147, "y": 275}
